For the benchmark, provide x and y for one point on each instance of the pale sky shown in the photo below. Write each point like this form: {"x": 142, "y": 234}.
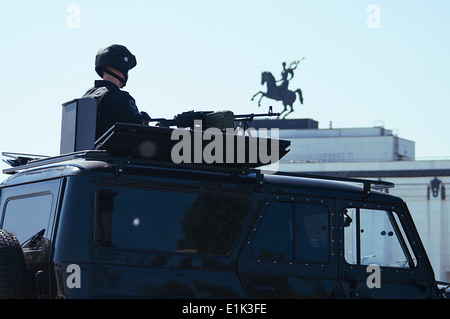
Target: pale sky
{"x": 366, "y": 62}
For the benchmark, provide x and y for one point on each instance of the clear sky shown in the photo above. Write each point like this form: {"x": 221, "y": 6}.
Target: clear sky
{"x": 366, "y": 62}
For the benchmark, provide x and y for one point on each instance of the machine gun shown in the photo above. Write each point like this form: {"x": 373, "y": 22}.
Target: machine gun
{"x": 221, "y": 120}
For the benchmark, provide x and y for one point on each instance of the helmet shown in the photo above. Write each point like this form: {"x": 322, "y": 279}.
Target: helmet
{"x": 116, "y": 56}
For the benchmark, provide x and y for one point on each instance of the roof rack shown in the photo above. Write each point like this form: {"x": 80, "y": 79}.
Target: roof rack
{"x": 117, "y": 161}
{"x": 150, "y": 144}
{"x": 368, "y": 185}
{"x": 21, "y": 162}
{"x": 19, "y": 159}
{"x": 140, "y": 141}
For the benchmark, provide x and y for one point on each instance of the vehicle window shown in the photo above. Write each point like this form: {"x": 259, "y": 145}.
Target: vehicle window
{"x": 169, "y": 221}
{"x": 275, "y": 237}
{"x": 376, "y": 237}
{"x": 26, "y": 216}
{"x": 293, "y": 231}
{"x": 312, "y": 232}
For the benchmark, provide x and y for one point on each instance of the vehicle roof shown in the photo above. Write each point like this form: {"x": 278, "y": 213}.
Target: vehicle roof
{"x": 99, "y": 163}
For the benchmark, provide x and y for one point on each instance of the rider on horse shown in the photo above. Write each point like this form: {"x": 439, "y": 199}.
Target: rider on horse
{"x": 285, "y": 73}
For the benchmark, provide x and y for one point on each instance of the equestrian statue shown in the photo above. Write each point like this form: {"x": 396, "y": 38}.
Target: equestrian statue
{"x": 281, "y": 92}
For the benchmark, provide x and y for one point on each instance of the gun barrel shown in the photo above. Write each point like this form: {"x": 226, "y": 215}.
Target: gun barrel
{"x": 159, "y": 119}
{"x": 210, "y": 119}
{"x": 252, "y": 115}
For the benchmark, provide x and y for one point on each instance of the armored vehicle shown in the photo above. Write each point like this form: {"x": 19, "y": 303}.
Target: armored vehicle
{"x": 107, "y": 224}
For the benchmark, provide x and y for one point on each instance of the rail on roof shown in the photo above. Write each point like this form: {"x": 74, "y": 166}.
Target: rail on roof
{"x": 368, "y": 184}
{"x": 20, "y": 162}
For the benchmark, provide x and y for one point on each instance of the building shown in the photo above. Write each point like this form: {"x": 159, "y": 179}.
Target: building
{"x": 377, "y": 153}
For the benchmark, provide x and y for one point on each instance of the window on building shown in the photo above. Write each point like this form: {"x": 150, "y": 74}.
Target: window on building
{"x": 293, "y": 231}
{"x": 376, "y": 237}
{"x": 169, "y": 221}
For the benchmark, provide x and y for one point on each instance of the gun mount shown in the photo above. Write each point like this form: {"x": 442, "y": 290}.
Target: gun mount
{"x": 221, "y": 119}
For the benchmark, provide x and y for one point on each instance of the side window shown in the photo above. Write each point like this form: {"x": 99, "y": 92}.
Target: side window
{"x": 312, "y": 232}
{"x": 169, "y": 221}
{"x": 26, "y": 216}
{"x": 376, "y": 237}
{"x": 293, "y": 231}
{"x": 275, "y": 236}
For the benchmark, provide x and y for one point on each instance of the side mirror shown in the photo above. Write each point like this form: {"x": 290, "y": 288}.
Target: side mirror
{"x": 347, "y": 219}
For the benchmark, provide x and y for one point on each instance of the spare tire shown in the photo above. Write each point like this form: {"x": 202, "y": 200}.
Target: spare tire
{"x": 13, "y": 270}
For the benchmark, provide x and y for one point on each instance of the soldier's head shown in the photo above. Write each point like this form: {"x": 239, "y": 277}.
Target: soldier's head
{"x": 114, "y": 62}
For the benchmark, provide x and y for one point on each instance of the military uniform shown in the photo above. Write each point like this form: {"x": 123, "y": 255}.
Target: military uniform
{"x": 113, "y": 105}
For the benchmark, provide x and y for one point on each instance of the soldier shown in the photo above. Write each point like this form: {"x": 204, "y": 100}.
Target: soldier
{"x": 113, "y": 105}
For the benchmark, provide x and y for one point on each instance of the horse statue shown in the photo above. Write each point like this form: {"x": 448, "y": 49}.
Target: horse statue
{"x": 280, "y": 92}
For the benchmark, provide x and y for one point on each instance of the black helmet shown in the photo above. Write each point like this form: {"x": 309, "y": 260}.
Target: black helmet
{"x": 116, "y": 56}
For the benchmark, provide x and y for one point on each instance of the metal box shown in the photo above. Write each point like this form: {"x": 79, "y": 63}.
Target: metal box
{"x": 78, "y": 125}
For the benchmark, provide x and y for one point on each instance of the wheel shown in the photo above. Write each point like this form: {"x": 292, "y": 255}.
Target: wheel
{"x": 13, "y": 270}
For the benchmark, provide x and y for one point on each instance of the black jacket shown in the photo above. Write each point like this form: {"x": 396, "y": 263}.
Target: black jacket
{"x": 113, "y": 105}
